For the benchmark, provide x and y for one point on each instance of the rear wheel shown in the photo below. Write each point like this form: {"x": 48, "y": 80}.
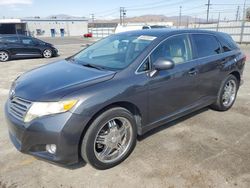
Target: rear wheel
{"x": 4, "y": 56}
{"x": 110, "y": 138}
{"x": 47, "y": 53}
{"x": 227, "y": 94}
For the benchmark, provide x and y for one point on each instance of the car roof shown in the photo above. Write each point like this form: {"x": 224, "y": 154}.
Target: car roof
{"x": 167, "y": 32}
{"x": 12, "y": 35}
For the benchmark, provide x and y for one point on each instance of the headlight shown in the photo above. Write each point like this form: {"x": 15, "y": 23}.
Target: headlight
{"x": 39, "y": 109}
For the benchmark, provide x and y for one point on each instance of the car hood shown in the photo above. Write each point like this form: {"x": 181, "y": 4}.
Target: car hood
{"x": 56, "y": 80}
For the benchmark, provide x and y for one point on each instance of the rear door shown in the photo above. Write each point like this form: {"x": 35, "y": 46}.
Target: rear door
{"x": 174, "y": 90}
{"x": 208, "y": 53}
{"x": 30, "y": 47}
{"x": 12, "y": 44}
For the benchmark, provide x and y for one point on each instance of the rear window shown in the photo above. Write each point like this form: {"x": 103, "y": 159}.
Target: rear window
{"x": 27, "y": 41}
{"x": 227, "y": 43}
{"x": 11, "y": 39}
{"x": 206, "y": 45}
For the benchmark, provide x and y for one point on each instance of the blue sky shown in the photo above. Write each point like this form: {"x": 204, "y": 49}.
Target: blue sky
{"x": 110, "y": 8}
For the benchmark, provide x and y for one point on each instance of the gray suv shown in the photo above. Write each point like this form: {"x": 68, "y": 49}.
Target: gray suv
{"x": 93, "y": 105}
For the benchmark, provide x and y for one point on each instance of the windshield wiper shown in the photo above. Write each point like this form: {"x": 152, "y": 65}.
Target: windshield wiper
{"x": 92, "y": 66}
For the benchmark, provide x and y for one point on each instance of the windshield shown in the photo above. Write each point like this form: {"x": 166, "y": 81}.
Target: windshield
{"x": 115, "y": 52}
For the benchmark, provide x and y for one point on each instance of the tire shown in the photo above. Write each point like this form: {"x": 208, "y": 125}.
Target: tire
{"x": 4, "y": 56}
{"x": 221, "y": 104}
{"x": 104, "y": 139}
{"x": 47, "y": 53}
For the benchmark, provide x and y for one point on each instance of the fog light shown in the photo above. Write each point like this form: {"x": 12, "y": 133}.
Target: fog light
{"x": 51, "y": 148}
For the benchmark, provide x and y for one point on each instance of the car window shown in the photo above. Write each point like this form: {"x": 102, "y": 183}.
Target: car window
{"x": 27, "y": 41}
{"x": 225, "y": 47}
{"x": 145, "y": 66}
{"x": 177, "y": 49}
{"x": 114, "y": 52}
{"x": 11, "y": 39}
{"x": 37, "y": 41}
{"x": 227, "y": 43}
{"x": 206, "y": 45}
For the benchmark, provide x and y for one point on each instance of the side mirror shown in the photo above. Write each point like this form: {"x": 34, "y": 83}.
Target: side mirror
{"x": 163, "y": 64}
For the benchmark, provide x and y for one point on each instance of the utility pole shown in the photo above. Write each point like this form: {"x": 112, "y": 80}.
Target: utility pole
{"x": 243, "y": 22}
{"x": 92, "y": 17}
{"x": 237, "y": 13}
{"x": 122, "y": 15}
{"x": 244, "y": 11}
{"x": 208, "y": 8}
{"x": 179, "y": 24}
{"x": 218, "y": 22}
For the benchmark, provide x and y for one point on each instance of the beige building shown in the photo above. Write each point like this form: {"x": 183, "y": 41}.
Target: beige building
{"x": 56, "y": 26}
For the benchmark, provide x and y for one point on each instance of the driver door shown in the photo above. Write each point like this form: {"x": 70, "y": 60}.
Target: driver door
{"x": 172, "y": 91}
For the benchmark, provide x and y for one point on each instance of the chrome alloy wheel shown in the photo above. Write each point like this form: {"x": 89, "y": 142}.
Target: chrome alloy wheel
{"x": 4, "y": 56}
{"x": 47, "y": 53}
{"x": 229, "y": 94}
{"x": 113, "y": 140}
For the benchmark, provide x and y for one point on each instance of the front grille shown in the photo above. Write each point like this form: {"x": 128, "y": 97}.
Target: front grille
{"x": 18, "y": 107}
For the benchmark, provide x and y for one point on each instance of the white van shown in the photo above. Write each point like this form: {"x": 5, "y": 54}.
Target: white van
{"x": 123, "y": 28}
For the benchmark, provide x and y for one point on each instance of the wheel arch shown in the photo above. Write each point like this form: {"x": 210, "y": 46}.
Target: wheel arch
{"x": 127, "y": 105}
{"x": 5, "y": 50}
{"x": 237, "y": 75}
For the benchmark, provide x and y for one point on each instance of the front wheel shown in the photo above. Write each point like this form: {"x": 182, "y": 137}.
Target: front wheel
{"x": 47, "y": 53}
{"x": 110, "y": 138}
{"x": 227, "y": 94}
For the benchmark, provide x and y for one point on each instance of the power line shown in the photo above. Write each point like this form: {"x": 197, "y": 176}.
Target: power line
{"x": 106, "y": 11}
{"x": 147, "y": 4}
{"x": 227, "y": 4}
{"x": 160, "y": 6}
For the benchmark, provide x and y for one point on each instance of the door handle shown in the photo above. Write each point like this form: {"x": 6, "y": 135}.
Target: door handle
{"x": 193, "y": 71}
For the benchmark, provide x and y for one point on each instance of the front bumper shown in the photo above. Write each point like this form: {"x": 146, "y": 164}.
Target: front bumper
{"x": 64, "y": 130}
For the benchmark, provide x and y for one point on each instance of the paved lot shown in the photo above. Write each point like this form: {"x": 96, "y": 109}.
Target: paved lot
{"x": 205, "y": 149}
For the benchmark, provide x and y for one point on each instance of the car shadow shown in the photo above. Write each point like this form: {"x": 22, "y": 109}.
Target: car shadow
{"x": 82, "y": 163}
{"x": 170, "y": 124}
{"x": 75, "y": 166}
{"x": 29, "y": 58}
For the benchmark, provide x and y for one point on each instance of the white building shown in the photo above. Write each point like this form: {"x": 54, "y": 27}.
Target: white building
{"x": 45, "y": 27}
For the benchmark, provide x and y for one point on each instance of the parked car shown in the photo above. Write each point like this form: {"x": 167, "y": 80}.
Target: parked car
{"x": 20, "y": 46}
{"x": 88, "y": 35}
{"x": 92, "y": 105}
